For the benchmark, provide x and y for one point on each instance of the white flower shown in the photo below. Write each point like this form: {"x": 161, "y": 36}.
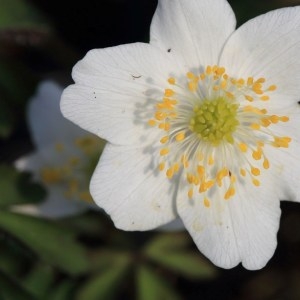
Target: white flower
{"x": 65, "y": 156}
{"x": 202, "y": 124}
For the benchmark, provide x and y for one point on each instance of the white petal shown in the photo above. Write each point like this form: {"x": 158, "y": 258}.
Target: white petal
{"x": 194, "y": 31}
{"x": 268, "y": 46}
{"x": 241, "y": 229}
{"x": 128, "y": 187}
{"x": 116, "y": 91}
{"x": 286, "y": 161}
{"x": 46, "y": 123}
{"x": 53, "y": 207}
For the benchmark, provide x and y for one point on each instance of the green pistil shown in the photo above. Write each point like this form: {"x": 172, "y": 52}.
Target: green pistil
{"x": 215, "y": 120}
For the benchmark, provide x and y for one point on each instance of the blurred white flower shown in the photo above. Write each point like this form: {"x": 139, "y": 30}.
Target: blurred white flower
{"x": 64, "y": 159}
{"x": 202, "y": 124}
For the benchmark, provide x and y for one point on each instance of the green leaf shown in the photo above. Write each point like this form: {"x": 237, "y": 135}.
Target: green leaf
{"x": 10, "y": 289}
{"x": 167, "y": 242}
{"x": 105, "y": 285}
{"x": 11, "y": 262}
{"x": 152, "y": 286}
{"x": 63, "y": 291}
{"x": 39, "y": 280}
{"x": 108, "y": 258}
{"x": 7, "y": 120}
{"x": 173, "y": 252}
{"x": 54, "y": 244}
{"x": 15, "y": 73}
{"x": 89, "y": 223}
{"x": 20, "y": 14}
{"x": 17, "y": 188}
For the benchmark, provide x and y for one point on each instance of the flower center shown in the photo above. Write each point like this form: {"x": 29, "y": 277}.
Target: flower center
{"x": 71, "y": 173}
{"x": 214, "y": 131}
{"x": 215, "y": 120}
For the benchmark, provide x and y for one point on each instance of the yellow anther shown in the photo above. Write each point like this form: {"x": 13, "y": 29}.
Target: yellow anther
{"x": 202, "y": 76}
{"x": 192, "y": 85}
{"x": 224, "y": 84}
{"x": 176, "y": 167}
{"x": 230, "y": 192}
{"x": 221, "y": 174}
{"x": 256, "y": 182}
{"x": 209, "y": 184}
{"x": 191, "y": 75}
{"x": 196, "y": 180}
{"x": 255, "y": 126}
{"x": 206, "y": 202}
{"x": 190, "y": 193}
{"x": 241, "y": 81}
{"x": 282, "y": 142}
{"x": 167, "y": 126}
{"x": 261, "y": 80}
{"x": 263, "y": 111}
{"x": 255, "y": 171}
{"x": 250, "y": 81}
{"x": 257, "y": 154}
{"x": 266, "y": 164}
{"x": 257, "y": 88}
{"x": 249, "y": 98}
{"x": 274, "y": 119}
{"x": 211, "y": 160}
{"x": 160, "y": 115}
{"x": 208, "y": 70}
{"x": 243, "y": 172}
{"x": 151, "y": 122}
{"x": 272, "y": 88}
{"x": 180, "y": 136}
{"x": 206, "y": 186}
{"x": 184, "y": 161}
{"x": 215, "y": 68}
{"x": 172, "y": 80}
{"x": 243, "y": 147}
{"x": 284, "y": 119}
{"x": 164, "y": 139}
{"x": 164, "y": 151}
{"x": 265, "y": 122}
{"x": 161, "y": 166}
{"x": 265, "y": 98}
{"x": 164, "y": 126}
{"x": 189, "y": 178}
{"x": 170, "y": 173}
{"x": 169, "y": 92}
{"x": 201, "y": 171}
{"x": 220, "y": 71}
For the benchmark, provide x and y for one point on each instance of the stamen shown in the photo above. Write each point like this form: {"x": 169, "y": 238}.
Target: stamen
{"x": 172, "y": 80}
{"x": 209, "y": 137}
{"x": 206, "y": 202}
